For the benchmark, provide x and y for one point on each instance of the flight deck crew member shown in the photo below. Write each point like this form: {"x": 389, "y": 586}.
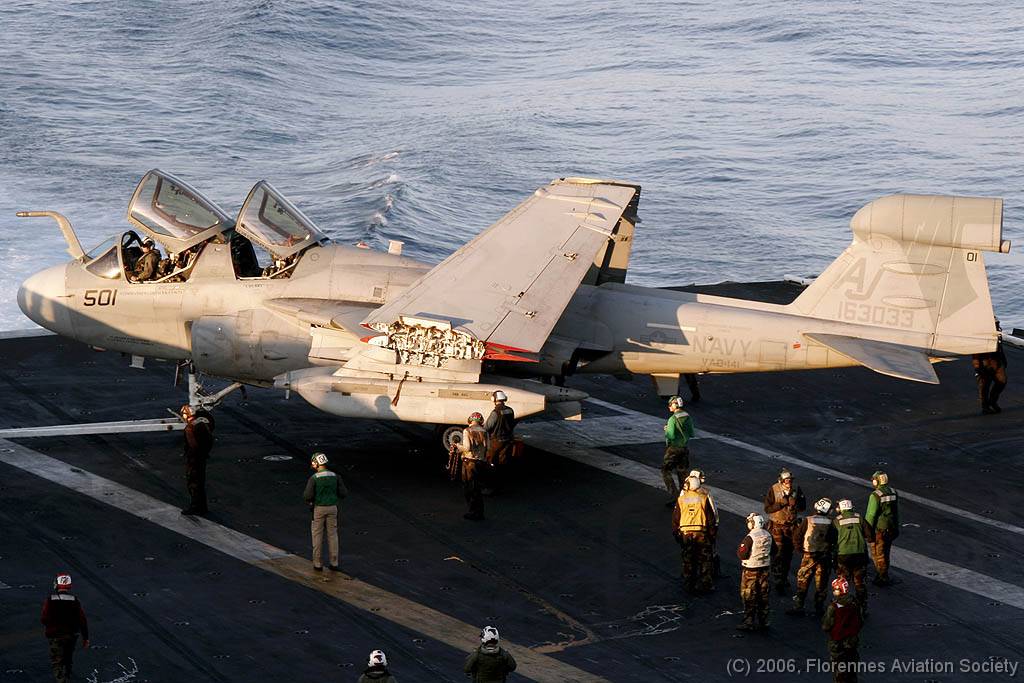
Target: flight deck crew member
{"x": 990, "y": 373}
{"x": 852, "y": 537}
{"x": 473, "y": 448}
{"x": 695, "y": 525}
{"x": 678, "y": 432}
{"x": 64, "y": 619}
{"x": 755, "y": 552}
{"x": 377, "y": 669}
{"x": 815, "y": 535}
{"x": 198, "y": 443}
{"x": 146, "y": 267}
{"x": 883, "y": 516}
{"x": 782, "y": 503}
{"x": 324, "y": 491}
{"x": 500, "y": 426}
{"x": 843, "y": 622}
{"x": 489, "y": 663}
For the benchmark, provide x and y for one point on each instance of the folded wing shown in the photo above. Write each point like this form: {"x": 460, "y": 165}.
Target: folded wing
{"x": 509, "y": 285}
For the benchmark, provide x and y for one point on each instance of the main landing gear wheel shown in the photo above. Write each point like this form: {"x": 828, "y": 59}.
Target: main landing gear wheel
{"x": 449, "y": 435}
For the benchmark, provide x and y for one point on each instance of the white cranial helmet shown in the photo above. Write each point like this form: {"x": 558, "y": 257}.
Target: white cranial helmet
{"x": 697, "y": 473}
{"x": 692, "y": 483}
{"x": 488, "y": 634}
{"x": 755, "y": 521}
{"x": 378, "y": 658}
{"x": 845, "y": 504}
{"x": 823, "y": 506}
{"x": 319, "y": 459}
{"x": 499, "y": 395}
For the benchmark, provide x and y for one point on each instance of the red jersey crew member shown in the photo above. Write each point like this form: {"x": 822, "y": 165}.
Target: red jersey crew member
{"x": 64, "y": 619}
{"x": 755, "y": 552}
{"x": 843, "y": 622}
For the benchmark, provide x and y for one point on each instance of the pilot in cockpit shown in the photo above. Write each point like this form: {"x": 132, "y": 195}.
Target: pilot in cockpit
{"x": 146, "y": 267}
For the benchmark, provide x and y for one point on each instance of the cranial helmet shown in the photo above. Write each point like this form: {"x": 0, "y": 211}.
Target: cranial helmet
{"x": 784, "y": 475}
{"x": 476, "y": 417}
{"x": 845, "y": 504}
{"x": 755, "y": 521}
{"x": 840, "y": 586}
{"x": 319, "y": 459}
{"x": 378, "y": 658}
{"x": 499, "y": 395}
{"x": 62, "y": 582}
{"x": 823, "y": 506}
{"x": 697, "y": 473}
{"x": 489, "y": 634}
{"x": 675, "y": 401}
{"x": 879, "y": 478}
{"x": 692, "y": 483}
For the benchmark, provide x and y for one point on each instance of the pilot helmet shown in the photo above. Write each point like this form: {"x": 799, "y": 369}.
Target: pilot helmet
{"x": 148, "y": 242}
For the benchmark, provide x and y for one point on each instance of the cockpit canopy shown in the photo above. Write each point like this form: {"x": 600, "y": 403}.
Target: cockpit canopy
{"x": 277, "y": 225}
{"x": 173, "y": 213}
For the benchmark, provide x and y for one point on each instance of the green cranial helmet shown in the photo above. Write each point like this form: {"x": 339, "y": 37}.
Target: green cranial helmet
{"x": 879, "y": 478}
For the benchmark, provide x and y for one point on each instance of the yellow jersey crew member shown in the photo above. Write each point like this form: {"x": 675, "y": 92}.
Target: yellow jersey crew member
{"x": 883, "y": 516}
{"x": 323, "y": 493}
{"x": 695, "y": 526}
{"x": 755, "y": 553}
{"x": 64, "y": 619}
{"x": 678, "y": 432}
{"x": 473, "y": 450}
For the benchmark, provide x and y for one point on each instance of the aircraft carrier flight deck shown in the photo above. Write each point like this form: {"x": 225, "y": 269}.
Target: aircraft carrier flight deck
{"x": 575, "y": 562}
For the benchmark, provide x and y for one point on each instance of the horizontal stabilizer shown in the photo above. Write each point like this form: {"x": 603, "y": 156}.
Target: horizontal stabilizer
{"x": 895, "y": 360}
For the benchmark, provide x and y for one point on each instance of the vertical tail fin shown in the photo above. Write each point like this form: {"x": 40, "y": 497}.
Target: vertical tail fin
{"x": 915, "y": 265}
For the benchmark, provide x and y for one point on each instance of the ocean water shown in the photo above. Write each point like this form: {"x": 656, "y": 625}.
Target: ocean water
{"x": 755, "y": 128}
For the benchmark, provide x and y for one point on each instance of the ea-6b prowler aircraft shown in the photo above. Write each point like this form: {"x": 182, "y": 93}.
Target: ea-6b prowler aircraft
{"x": 541, "y": 294}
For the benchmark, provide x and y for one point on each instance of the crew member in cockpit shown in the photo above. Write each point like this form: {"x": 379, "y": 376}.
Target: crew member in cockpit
{"x": 145, "y": 268}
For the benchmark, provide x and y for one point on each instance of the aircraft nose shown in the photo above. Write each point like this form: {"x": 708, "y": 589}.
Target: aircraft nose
{"x": 43, "y": 299}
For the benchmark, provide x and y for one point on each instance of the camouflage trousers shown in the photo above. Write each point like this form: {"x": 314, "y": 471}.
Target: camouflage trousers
{"x": 783, "y": 559}
{"x": 61, "y": 652}
{"x": 675, "y": 464}
{"x": 755, "y": 588}
{"x": 854, "y": 570}
{"x": 880, "y": 549}
{"x": 816, "y": 567}
{"x": 844, "y": 657}
{"x": 698, "y": 554}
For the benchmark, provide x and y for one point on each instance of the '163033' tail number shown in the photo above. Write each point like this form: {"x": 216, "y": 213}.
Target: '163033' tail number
{"x": 871, "y": 314}
{"x": 100, "y": 297}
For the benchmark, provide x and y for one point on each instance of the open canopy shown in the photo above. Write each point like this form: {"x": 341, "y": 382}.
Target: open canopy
{"x": 173, "y": 213}
{"x": 273, "y": 222}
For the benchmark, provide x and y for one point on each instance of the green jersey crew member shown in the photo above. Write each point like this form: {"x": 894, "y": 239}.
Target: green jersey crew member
{"x": 323, "y": 492}
{"x": 489, "y": 663}
{"x": 678, "y": 432}
{"x": 883, "y": 516}
{"x": 852, "y": 538}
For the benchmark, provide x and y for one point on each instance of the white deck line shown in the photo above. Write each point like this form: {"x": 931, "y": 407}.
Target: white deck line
{"x": 546, "y": 435}
{"x": 793, "y": 460}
